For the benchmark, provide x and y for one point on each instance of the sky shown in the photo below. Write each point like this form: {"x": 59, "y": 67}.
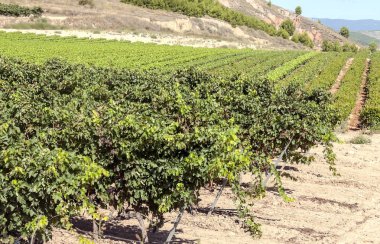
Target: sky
{"x": 335, "y": 9}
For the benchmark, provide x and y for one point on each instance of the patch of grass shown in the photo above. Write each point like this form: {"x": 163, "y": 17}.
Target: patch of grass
{"x": 40, "y": 24}
{"x": 17, "y": 11}
{"x": 361, "y": 139}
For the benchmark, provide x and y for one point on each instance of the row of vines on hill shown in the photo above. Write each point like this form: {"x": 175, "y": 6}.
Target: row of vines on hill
{"x": 75, "y": 138}
{"x": 346, "y": 96}
{"x": 329, "y": 74}
{"x": 139, "y": 56}
{"x": 290, "y": 66}
{"x": 370, "y": 116}
{"x": 304, "y": 74}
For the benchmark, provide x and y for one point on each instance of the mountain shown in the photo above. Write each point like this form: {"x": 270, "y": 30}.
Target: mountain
{"x": 353, "y": 25}
{"x": 365, "y": 38}
{"x": 372, "y": 34}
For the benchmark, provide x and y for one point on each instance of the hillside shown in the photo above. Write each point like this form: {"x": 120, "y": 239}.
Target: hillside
{"x": 112, "y": 15}
{"x": 276, "y": 15}
{"x": 372, "y": 34}
{"x": 158, "y": 24}
{"x": 365, "y": 38}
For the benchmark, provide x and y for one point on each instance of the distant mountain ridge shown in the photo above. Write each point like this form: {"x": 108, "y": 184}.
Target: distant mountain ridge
{"x": 365, "y": 37}
{"x": 353, "y": 25}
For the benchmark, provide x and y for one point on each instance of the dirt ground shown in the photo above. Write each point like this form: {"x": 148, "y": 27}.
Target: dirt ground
{"x": 160, "y": 39}
{"x": 327, "y": 209}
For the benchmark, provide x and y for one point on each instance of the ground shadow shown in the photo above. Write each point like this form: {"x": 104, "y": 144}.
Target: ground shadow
{"x": 115, "y": 231}
{"x": 274, "y": 190}
{"x": 288, "y": 168}
{"x": 218, "y": 211}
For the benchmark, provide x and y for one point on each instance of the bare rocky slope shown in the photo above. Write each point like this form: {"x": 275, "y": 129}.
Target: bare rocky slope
{"x": 276, "y": 15}
{"x": 111, "y": 15}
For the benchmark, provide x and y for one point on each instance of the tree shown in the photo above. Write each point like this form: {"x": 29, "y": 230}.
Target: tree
{"x": 373, "y": 47}
{"x": 288, "y": 26}
{"x": 344, "y": 31}
{"x": 331, "y": 46}
{"x": 270, "y": 3}
{"x": 298, "y": 10}
{"x": 347, "y": 47}
{"x": 306, "y": 40}
{"x": 303, "y": 38}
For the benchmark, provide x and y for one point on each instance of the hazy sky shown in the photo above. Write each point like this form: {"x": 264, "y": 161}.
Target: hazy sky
{"x": 335, "y": 9}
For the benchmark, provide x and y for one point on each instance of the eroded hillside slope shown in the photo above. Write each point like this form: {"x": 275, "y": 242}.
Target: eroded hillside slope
{"x": 276, "y": 15}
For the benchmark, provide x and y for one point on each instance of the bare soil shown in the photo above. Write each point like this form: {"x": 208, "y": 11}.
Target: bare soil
{"x": 327, "y": 208}
{"x": 160, "y": 39}
{"x": 341, "y": 76}
{"x": 354, "y": 119}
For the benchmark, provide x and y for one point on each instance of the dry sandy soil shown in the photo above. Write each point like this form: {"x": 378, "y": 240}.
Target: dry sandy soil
{"x": 327, "y": 209}
{"x": 160, "y": 39}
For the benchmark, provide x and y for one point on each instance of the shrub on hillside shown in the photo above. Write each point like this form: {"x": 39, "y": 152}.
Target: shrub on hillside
{"x": 335, "y": 46}
{"x": 86, "y": 2}
{"x": 373, "y": 47}
{"x": 331, "y": 46}
{"x": 17, "y": 11}
{"x": 347, "y": 47}
{"x": 283, "y": 33}
{"x": 288, "y": 25}
{"x": 304, "y": 39}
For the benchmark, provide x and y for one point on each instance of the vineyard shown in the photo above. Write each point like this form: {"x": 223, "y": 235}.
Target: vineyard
{"x": 138, "y": 128}
{"x": 133, "y": 56}
{"x": 371, "y": 113}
